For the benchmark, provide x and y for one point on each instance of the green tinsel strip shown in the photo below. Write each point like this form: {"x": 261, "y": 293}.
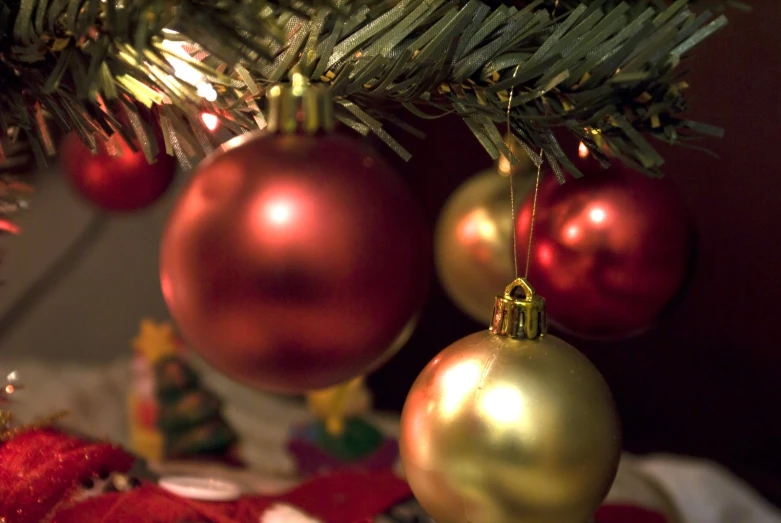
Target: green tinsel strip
{"x": 603, "y": 70}
{"x": 606, "y": 72}
{"x": 98, "y": 67}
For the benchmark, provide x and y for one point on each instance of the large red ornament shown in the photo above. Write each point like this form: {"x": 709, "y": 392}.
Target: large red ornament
{"x": 115, "y": 183}
{"x": 294, "y": 262}
{"x": 610, "y": 251}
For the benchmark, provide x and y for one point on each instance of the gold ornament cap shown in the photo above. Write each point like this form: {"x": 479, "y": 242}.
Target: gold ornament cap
{"x": 519, "y": 313}
{"x": 299, "y": 107}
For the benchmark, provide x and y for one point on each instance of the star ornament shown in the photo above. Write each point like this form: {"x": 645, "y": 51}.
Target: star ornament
{"x": 156, "y": 340}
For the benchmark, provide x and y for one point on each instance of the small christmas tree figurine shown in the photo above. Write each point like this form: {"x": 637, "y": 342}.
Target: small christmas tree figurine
{"x": 340, "y": 437}
{"x": 172, "y": 415}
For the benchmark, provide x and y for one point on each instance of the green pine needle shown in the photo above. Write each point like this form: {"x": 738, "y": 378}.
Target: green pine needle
{"x": 604, "y": 71}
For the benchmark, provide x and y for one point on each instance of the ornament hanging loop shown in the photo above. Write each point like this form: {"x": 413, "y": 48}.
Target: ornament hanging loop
{"x": 299, "y": 107}
{"x": 519, "y": 312}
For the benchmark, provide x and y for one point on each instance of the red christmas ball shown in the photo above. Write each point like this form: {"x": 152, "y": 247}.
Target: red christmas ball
{"x": 115, "y": 183}
{"x": 294, "y": 262}
{"x": 610, "y": 251}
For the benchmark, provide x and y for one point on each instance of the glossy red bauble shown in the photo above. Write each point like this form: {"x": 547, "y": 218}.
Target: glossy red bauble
{"x": 294, "y": 262}
{"x": 115, "y": 183}
{"x": 610, "y": 251}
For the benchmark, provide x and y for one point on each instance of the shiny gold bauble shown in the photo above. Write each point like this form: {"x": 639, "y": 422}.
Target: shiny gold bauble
{"x": 473, "y": 243}
{"x": 503, "y": 430}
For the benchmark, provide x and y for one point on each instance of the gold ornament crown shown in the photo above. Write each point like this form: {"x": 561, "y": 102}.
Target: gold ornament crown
{"x": 299, "y": 107}
{"x": 519, "y": 312}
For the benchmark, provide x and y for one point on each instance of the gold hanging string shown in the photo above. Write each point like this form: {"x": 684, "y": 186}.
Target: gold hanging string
{"x": 512, "y": 177}
{"x": 515, "y": 240}
{"x": 534, "y": 215}
{"x": 512, "y": 189}
{"x": 536, "y": 191}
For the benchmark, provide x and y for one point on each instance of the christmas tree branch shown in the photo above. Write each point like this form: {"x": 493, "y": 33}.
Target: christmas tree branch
{"x": 102, "y": 67}
{"x": 661, "y": 4}
{"x": 608, "y": 75}
{"x": 604, "y": 71}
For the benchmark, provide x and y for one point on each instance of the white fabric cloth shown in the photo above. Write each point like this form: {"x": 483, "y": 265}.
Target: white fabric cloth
{"x": 703, "y": 492}
{"x": 95, "y": 397}
{"x": 281, "y": 513}
{"x": 686, "y": 490}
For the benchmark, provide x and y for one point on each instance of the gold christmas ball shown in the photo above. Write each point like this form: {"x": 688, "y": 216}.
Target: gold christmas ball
{"x": 473, "y": 242}
{"x": 500, "y": 430}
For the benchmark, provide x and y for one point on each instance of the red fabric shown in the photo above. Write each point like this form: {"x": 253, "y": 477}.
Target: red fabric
{"x": 148, "y": 504}
{"x": 339, "y": 498}
{"x": 40, "y": 469}
{"x": 627, "y": 514}
{"x": 344, "y": 497}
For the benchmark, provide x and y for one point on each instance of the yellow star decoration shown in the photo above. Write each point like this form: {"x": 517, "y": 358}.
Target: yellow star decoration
{"x": 334, "y": 404}
{"x": 155, "y": 340}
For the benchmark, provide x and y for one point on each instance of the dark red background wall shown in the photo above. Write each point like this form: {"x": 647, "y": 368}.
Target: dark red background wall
{"x": 707, "y": 380}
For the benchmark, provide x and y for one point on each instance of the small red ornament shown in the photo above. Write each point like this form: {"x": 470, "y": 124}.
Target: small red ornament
{"x": 115, "y": 183}
{"x": 610, "y": 251}
{"x": 294, "y": 262}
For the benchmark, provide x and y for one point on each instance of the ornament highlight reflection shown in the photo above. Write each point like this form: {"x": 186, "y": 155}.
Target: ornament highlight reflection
{"x": 597, "y": 215}
{"x": 280, "y": 212}
{"x": 503, "y": 404}
{"x": 210, "y": 121}
{"x": 583, "y": 151}
{"x": 477, "y": 226}
{"x": 457, "y": 385}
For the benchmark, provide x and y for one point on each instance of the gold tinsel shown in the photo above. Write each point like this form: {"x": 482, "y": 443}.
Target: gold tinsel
{"x": 8, "y": 433}
{"x": 7, "y": 430}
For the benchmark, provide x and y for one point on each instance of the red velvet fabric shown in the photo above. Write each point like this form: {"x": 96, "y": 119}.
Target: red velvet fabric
{"x": 343, "y": 498}
{"x": 40, "y": 470}
{"x": 338, "y": 498}
{"x": 148, "y": 504}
